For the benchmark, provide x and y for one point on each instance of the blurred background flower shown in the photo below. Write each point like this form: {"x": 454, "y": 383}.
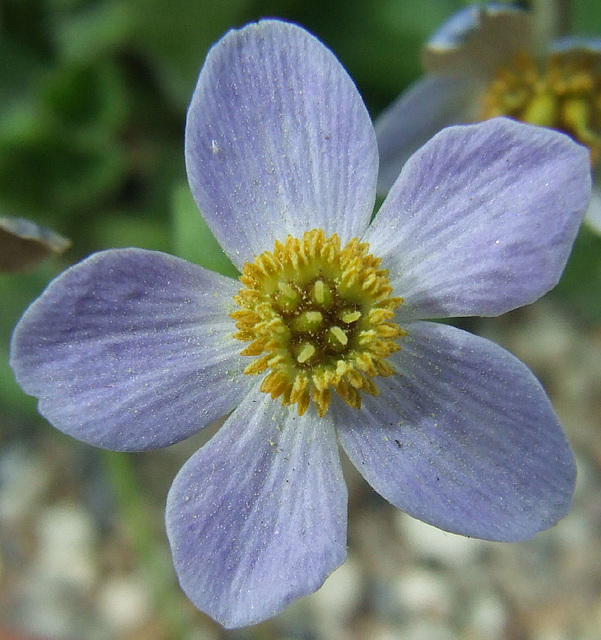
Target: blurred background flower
{"x": 482, "y": 63}
{"x": 93, "y": 103}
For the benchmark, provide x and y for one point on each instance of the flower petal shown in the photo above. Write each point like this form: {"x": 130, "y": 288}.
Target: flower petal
{"x": 478, "y": 40}
{"x": 131, "y": 350}
{"x": 464, "y": 438}
{"x": 257, "y": 517}
{"x": 428, "y": 106}
{"x": 278, "y": 141}
{"x": 482, "y": 219}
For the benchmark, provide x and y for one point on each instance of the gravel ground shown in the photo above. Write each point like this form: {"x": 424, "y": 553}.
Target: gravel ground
{"x": 69, "y": 568}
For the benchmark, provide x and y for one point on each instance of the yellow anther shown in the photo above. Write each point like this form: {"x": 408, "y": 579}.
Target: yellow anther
{"x": 245, "y": 335}
{"x": 322, "y": 400}
{"x": 277, "y": 359}
{"x": 306, "y": 353}
{"x": 376, "y": 316}
{"x": 343, "y": 367}
{"x": 255, "y": 348}
{"x": 258, "y": 366}
{"x": 383, "y": 368}
{"x": 388, "y": 330}
{"x": 322, "y": 379}
{"x": 274, "y": 384}
{"x": 303, "y": 402}
{"x": 301, "y": 383}
{"x": 365, "y": 337}
{"x": 369, "y": 281}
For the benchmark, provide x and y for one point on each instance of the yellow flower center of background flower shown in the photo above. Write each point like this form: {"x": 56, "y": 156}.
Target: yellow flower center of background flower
{"x": 566, "y": 95}
{"x": 318, "y": 317}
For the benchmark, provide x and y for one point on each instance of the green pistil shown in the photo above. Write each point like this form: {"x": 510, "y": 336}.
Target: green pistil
{"x": 307, "y": 322}
{"x": 321, "y": 294}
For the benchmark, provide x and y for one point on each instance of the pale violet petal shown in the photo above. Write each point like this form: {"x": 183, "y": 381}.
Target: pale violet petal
{"x": 462, "y": 437}
{"x": 482, "y": 219}
{"x": 278, "y": 141}
{"x": 131, "y": 350}
{"x": 257, "y": 517}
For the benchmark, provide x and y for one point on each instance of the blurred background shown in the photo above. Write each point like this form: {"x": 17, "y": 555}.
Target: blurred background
{"x": 93, "y": 97}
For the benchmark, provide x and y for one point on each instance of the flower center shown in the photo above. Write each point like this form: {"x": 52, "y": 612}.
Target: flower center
{"x": 318, "y": 317}
{"x": 565, "y": 95}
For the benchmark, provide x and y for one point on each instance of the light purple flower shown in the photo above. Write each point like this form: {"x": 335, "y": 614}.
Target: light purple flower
{"x": 482, "y": 63}
{"x": 133, "y": 350}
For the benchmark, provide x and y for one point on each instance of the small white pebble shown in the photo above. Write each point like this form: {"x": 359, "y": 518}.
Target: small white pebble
{"x": 66, "y": 538}
{"x": 124, "y": 603}
{"x": 424, "y": 592}
{"x": 488, "y": 617}
{"x": 340, "y": 593}
{"x": 431, "y": 543}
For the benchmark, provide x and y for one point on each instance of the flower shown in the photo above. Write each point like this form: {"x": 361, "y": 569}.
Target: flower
{"x": 482, "y": 63}
{"x": 133, "y": 349}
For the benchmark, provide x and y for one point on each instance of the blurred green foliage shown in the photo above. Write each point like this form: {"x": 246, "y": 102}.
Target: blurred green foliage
{"x": 93, "y": 95}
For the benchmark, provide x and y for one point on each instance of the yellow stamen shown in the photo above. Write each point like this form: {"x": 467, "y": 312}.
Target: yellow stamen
{"x": 295, "y": 303}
